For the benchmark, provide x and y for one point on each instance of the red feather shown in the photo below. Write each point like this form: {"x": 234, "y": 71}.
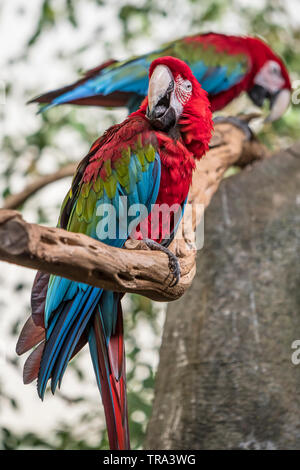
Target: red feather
{"x": 30, "y": 336}
{"x": 38, "y": 297}
{"x": 113, "y": 386}
{"x": 32, "y": 364}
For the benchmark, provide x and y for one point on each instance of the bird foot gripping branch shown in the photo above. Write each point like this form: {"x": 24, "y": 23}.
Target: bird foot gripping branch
{"x": 174, "y": 265}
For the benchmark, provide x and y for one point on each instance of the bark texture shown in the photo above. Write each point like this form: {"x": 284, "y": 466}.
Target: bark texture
{"x": 225, "y": 378}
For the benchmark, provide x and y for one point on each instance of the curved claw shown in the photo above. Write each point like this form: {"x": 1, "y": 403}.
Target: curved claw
{"x": 174, "y": 265}
{"x": 174, "y": 269}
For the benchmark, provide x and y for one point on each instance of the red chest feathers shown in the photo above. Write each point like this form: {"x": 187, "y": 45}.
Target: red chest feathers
{"x": 177, "y": 165}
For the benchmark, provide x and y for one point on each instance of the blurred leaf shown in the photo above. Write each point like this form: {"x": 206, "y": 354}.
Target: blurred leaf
{"x": 47, "y": 18}
{"x": 71, "y": 12}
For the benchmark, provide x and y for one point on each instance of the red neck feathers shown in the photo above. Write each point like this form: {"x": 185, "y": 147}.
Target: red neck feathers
{"x": 260, "y": 53}
{"x": 196, "y": 124}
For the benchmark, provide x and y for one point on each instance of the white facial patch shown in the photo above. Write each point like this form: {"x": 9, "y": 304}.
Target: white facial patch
{"x": 270, "y": 77}
{"x": 183, "y": 90}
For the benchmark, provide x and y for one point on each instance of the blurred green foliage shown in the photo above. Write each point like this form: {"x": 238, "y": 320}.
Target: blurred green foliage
{"x": 271, "y": 19}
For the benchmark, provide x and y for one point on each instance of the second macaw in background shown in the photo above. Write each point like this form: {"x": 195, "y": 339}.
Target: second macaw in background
{"x": 224, "y": 65}
{"x": 148, "y": 159}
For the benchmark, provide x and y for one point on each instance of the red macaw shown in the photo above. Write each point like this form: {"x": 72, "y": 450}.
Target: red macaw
{"x": 147, "y": 159}
{"x": 224, "y": 65}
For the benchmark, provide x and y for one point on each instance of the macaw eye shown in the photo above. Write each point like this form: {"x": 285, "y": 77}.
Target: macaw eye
{"x": 275, "y": 68}
{"x": 187, "y": 85}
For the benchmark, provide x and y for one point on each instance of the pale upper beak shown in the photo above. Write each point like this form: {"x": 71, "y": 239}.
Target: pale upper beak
{"x": 279, "y": 100}
{"x": 279, "y": 104}
{"x": 161, "y": 83}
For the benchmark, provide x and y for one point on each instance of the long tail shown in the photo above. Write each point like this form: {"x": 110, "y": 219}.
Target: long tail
{"x": 97, "y": 318}
{"x": 108, "y": 356}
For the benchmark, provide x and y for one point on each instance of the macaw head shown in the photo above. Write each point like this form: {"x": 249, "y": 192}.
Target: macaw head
{"x": 270, "y": 81}
{"x": 176, "y": 100}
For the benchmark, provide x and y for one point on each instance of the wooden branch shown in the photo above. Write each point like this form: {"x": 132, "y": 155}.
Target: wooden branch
{"x": 80, "y": 258}
{"x": 135, "y": 269}
{"x": 16, "y": 200}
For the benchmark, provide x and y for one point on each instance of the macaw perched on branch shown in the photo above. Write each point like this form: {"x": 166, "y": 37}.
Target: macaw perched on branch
{"x": 147, "y": 159}
{"x": 224, "y": 65}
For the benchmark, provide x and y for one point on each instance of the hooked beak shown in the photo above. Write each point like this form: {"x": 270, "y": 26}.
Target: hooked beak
{"x": 161, "y": 86}
{"x": 279, "y": 101}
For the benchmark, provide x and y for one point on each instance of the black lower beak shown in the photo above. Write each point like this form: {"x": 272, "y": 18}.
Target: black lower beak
{"x": 162, "y": 115}
{"x": 258, "y": 94}
{"x": 162, "y": 121}
{"x": 273, "y": 98}
{"x": 160, "y": 108}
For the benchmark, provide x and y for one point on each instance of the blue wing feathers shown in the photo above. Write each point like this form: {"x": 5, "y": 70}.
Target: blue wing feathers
{"x": 131, "y": 77}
